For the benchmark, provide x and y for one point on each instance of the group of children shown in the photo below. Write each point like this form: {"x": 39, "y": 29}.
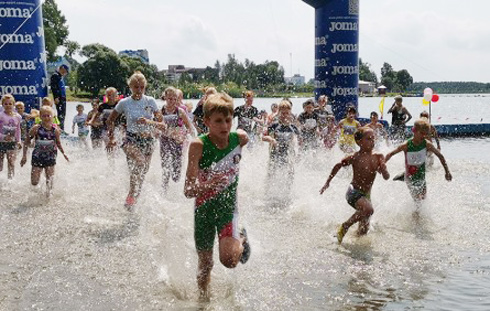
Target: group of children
{"x": 37, "y": 130}
{"x": 214, "y": 156}
{"x": 366, "y": 163}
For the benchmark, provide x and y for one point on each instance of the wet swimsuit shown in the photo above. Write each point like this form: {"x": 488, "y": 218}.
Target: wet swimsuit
{"x": 199, "y": 118}
{"x": 144, "y": 144}
{"x": 137, "y": 133}
{"x": 10, "y": 132}
{"x": 245, "y": 116}
{"x": 415, "y": 160}
{"x": 398, "y": 124}
{"x": 353, "y": 195}
{"x": 45, "y": 150}
{"x": 322, "y": 117}
{"x": 347, "y": 131}
{"x": 80, "y": 120}
{"x": 170, "y": 149}
{"x": 217, "y": 210}
{"x": 308, "y": 132}
{"x": 284, "y": 135}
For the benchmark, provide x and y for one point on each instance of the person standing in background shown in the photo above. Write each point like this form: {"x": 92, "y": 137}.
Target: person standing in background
{"x": 400, "y": 117}
{"x": 59, "y": 93}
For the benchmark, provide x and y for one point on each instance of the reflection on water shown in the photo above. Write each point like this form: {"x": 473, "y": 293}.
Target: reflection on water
{"x": 81, "y": 250}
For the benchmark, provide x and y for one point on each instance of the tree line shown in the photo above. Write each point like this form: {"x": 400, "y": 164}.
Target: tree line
{"x": 103, "y": 67}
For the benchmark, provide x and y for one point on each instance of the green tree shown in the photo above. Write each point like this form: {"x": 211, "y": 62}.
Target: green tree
{"x": 102, "y": 70}
{"x": 55, "y": 28}
{"x": 153, "y": 76}
{"x": 403, "y": 80}
{"x": 72, "y": 47}
{"x": 233, "y": 70}
{"x": 90, "y": 50}
{"x": 210, "y": 75}
{"x": 388, "y": 76}
{"x": 365, "y": 72}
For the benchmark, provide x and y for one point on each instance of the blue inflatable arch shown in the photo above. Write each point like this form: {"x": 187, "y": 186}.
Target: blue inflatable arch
{"x": 22, "y": 53}
{"x": 337, "y": 52}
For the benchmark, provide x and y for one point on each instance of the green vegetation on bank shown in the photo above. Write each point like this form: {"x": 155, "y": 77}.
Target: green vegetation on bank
{"x": 103, "y": 67}
{"x": 451, "y": 87}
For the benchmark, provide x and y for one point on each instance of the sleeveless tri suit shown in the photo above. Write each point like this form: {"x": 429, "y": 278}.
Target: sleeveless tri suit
{"x": 217, "y": 210}
{"x": 415, "y": 160}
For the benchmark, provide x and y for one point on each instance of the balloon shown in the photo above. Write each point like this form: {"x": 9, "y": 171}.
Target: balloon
{"x": 428, "y": 94}
{"x": 425, "y": 102}
{"x": 435, "y": 98}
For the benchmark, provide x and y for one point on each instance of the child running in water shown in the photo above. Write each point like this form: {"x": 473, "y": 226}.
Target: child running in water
{"x": 47, "y": 141}
{"x": 416, "y": 149}
{"x": 280, "y": 135}
{"x": 432, "y": 135}
{"x": 172, "y": 139}
{"x": 10, "y": 136}
{"x": 365, "y": 164}
{"x": 308, "y": 121}
{"x": 212, "y": 178}
{"x": 46, "y": 101}
{"x": 95, "y": 124}
{"x": 329, "y": 132}
{"x": 378, "y": 128}
{"x": 348, "y": 127}
{"x": 80, "y": 120}
{"x": 142, "y": 116}
{"x": 25, "y": 123}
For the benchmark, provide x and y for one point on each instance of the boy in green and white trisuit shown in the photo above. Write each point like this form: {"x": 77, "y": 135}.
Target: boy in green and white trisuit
{"x": 416, "y": 150}
{"x": 212, "y": 178}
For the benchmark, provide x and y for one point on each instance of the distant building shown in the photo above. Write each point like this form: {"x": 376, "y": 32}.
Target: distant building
{"x": 382, "y": 90}
{"x": 174, "y": 72}
{"x": 141, "y": 54}
{"x": 366, "y": 87}
{"x": 295, "y": 80}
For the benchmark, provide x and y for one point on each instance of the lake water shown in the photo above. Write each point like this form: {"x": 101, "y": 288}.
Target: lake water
{"x": 82, "y": 251}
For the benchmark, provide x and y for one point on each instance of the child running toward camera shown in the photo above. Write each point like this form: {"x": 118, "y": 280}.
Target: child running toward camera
{"x": 378, "y": 128}
{"x": 10, "y": 134}
{"x": 47, "y": 141}
{"x": 416, "y": 150}
{"x": 212, "y": 178}
{"x": 80, "y": 120}
{"x": 348, "y": 127}
{"x": 365, "y": 164}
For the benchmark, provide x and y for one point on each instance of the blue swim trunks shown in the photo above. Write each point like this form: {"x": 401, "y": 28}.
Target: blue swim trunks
{"x": 353, "y": 195}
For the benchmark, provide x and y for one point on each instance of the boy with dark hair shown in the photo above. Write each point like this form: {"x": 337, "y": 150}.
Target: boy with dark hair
{"x": 308, "y": 121}
{"x": 365, "y": 164}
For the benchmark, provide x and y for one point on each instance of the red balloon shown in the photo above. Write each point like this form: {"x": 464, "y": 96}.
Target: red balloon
{"x": 435, "y": 98}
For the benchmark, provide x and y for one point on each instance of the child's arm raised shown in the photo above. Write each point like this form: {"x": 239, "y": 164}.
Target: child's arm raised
{"x": 402, "y": 147}
{"x": 345, "y": 162}
{"x": 430, "y": 147}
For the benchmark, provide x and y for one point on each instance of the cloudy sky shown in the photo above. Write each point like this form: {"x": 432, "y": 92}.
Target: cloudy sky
{"x": 436, "y": 40}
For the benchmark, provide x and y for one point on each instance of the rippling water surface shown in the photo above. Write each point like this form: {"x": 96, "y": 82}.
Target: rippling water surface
{"x": 81, "y": 250}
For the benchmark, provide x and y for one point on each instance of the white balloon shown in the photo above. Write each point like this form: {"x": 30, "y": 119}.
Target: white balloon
{"x": 428, "y": 94}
